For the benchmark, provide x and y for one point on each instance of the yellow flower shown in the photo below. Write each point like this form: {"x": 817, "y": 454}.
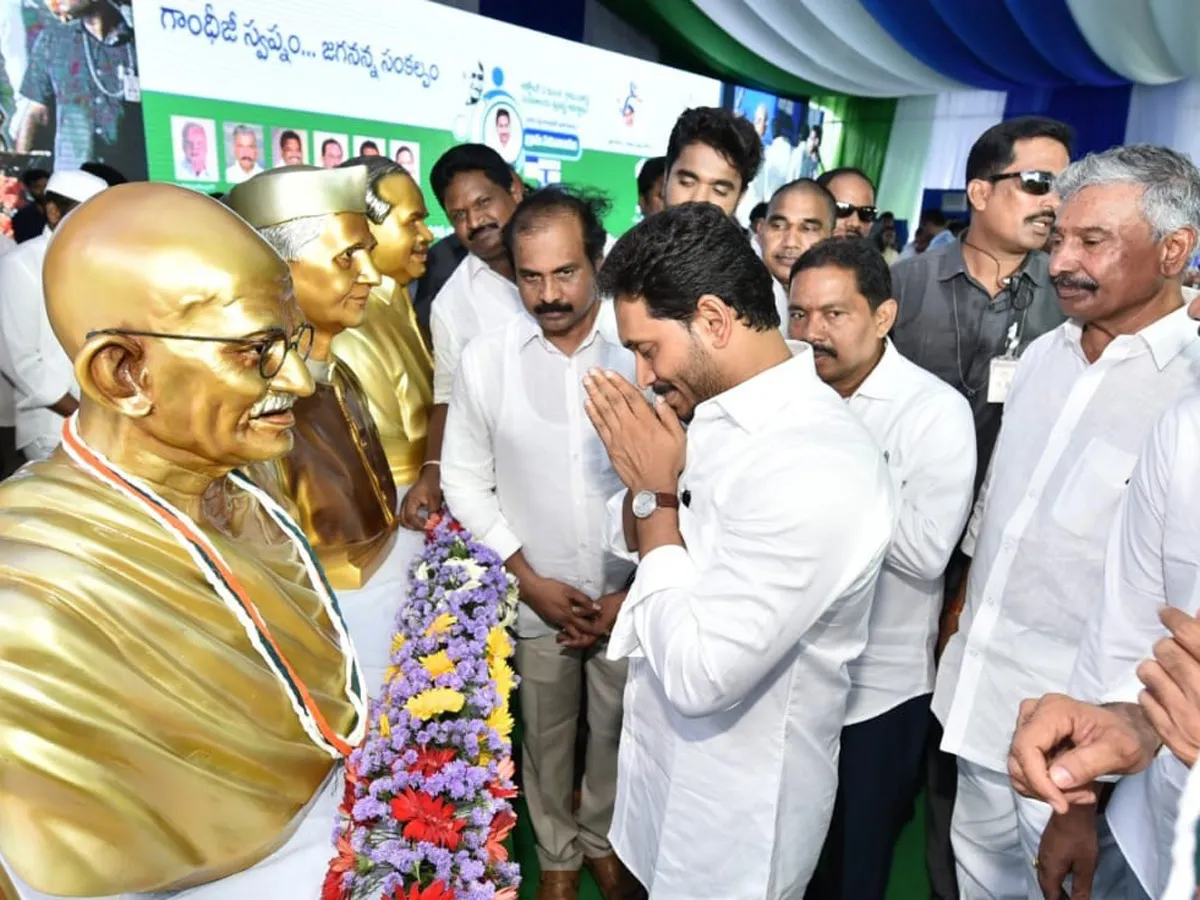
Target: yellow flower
{"x": 485, "y": 758}
{"x": 441, "y": 625}
{"x": 438, "y": 663}
{"x": 434, "y": 702}
{"x": 397, "y": 643}
{"x": 501, "y": 721}
{"x": 385, "y": 727}
{"x": 501, "y": 673}
{"x": 391, "y": 674}
{"x": 499, "y": 646}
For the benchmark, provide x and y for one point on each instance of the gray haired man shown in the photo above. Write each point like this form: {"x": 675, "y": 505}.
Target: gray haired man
{"x": 1083, "y": 399}
{"x": 245, "y": 151}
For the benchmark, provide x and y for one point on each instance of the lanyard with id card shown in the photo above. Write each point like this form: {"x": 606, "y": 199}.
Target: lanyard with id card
{"x": 1002, "y": 368}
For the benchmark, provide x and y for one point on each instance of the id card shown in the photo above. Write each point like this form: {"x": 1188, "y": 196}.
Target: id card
{"x": 1000, "y": 378}
{"x": 131, "y": 85}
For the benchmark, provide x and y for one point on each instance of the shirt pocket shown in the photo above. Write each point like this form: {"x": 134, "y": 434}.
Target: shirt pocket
{"x": 1093, "y": 488}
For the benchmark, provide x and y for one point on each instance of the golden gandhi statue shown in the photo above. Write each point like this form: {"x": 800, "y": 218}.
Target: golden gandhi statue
{"x": 337, "y": 474}
{"x": 178, "y": 685}
{"x": 387, "y": 351}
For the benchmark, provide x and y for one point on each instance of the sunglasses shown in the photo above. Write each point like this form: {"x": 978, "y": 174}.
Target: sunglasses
{"x": 1031, "y": 181}
{"x": 866, "y": 213}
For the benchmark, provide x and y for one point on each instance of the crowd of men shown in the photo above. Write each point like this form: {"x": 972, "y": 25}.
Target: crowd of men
{"x": 800, "y": 533}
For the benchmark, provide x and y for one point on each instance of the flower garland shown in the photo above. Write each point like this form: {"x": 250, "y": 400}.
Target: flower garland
{"x": 426, "y": 809}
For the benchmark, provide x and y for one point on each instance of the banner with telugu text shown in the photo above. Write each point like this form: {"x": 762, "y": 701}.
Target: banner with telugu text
{"x": 230, "y": 88}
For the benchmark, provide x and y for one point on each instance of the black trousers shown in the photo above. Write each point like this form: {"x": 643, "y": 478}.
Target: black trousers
{"x": 879, "y": 775}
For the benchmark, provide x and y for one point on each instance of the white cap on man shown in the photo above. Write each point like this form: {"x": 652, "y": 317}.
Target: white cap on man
{"x": 77, "y": 186}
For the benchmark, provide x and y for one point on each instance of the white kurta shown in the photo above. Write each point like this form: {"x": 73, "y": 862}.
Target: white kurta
{"x": 927, "y": 434}
{"x": 473, "y": 301}
{"x": 739, "y": 644}
{"x": 1153, "y": 560}
{"x": 522, "y": 465}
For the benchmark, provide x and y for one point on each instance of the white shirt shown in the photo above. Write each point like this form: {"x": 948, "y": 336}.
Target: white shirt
{"x": 927, "y": 433}
{"x": 1153, "y": 560}
{"x": 235, "y": 174}
{"x": 33, "y": 360}
{"x": 1071, "y": 435}
{"x": 740, "y": 642}
{"x": 8, "y": 395}
{"x": 184, "y": 171}
{"x": 522, "y": 466}
{"x": 474, "y": 300}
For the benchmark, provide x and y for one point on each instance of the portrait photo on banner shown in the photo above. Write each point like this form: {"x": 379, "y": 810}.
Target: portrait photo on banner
{"x": 407, "y": 155}
{"x": 329, "y": 149}
{"x": 289, "y": 147}
{"x": 195, "y": 149}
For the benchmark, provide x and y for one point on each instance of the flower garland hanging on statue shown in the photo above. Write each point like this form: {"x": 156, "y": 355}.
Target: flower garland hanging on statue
{"x": 426, "y": 811}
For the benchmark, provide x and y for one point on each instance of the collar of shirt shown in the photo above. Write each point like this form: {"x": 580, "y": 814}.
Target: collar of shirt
{"x": 1036, "y": 266}
{"x": 1166, "y": 338}
{"x": 530, "y": 331}
{"x": 477, "y": 268}
{"x": 121, "y": 33}
{"x": 881, "y": 383}
{"x": 753, "y": 403}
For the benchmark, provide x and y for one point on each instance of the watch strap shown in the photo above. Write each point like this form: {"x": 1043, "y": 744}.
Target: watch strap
{"x": 666, "y": 501}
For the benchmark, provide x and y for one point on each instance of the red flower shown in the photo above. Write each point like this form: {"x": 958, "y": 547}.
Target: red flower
{"x": 436, "y": 891}
{"x": 349, "y": 796}
{"x": 334, "y": 886}
{"x": 502, "y": 826}
{"x": 430, "y": 762}
{"x": 428, "y": 819}
{"x": 500, "y": 792}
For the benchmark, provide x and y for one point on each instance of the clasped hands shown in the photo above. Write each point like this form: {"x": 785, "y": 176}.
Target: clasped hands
{"x": 580, "y": 620}
{"x": 646, "y": 444}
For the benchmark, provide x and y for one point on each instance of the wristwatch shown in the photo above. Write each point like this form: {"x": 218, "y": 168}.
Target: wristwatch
{"x": 646, "y": 502}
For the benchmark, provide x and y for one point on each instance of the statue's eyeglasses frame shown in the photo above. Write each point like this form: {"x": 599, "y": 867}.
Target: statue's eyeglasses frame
{"x": 272, "y": 345}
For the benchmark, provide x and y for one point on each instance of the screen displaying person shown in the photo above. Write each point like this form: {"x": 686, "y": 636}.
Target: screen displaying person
{"x": 291, "y": 149}
{"x": 245, "y": 155}
{"x": 503, "y": 128}
{"x": 81, "y": 84}
{"x": 332, "y": 153}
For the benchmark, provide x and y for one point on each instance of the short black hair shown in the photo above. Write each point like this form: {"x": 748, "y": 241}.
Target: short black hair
{"x": 289, "y": 135}
{"x": 468, "y": 158}
{"x": 730, "y": 135}
{"x": 325, "y": 144}
{"x": 826, "y": 178}
{"x": 994, "y": 151}
{"x": 652, "y": 170}
{"x": 759, "y": 212}
{"x": 503, "y": 112}
{"x": 104, "y": 172}
{"x": 872, "y": 277}
{"x": 814, "y": 187}
{"x": 674, "y": 258}
{"x": 933, "y": 216}
{"x": 589, "y": 207}
{"x": 365, "y": 144}
{"x": 29, "y": 176}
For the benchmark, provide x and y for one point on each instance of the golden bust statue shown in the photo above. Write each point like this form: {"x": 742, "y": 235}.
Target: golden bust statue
{"x": 337, "y": 474}
{"x": 387, "y": 351}
{"x": 149, "y": 740}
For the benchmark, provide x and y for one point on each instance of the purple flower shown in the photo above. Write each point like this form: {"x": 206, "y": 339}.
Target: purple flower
{"x": 453, "y": 576}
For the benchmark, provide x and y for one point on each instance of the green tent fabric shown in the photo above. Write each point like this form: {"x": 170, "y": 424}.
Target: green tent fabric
{"x": 857, "y": 129}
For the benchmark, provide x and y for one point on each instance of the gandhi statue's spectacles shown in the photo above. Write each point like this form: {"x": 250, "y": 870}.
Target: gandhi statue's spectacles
{"x": 272, "y": 346}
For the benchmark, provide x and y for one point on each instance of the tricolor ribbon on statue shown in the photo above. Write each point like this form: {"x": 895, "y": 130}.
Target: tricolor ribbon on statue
{"x": 235, "y": 597}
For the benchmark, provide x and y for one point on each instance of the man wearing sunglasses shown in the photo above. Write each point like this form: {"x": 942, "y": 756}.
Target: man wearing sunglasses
{"x": 984, "y": 297}
{"x": 855, "y": 196}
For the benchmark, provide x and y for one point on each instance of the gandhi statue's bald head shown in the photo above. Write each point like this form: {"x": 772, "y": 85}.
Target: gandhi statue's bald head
{"x": 145, "y": 256}
{"x": 170, "y": 304}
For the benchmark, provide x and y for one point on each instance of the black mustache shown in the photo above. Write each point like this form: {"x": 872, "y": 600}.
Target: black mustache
{"x": 475, "y": 232}
{"x": 1070, "y": 281}
{"x": 543, "y": 309}
{"x": 1046, "y": 217}
{"x": 662, "y": 388}
{"x": 824, "y": 351}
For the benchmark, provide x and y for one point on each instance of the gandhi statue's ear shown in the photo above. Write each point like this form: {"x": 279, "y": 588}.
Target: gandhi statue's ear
{"x": 110, "y": 370}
